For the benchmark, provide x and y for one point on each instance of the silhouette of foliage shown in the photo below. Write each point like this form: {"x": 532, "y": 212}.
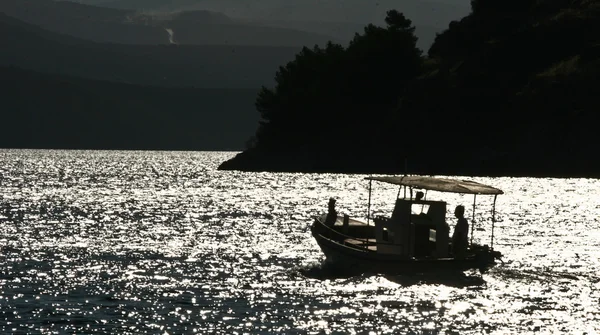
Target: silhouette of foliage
{"x": 510, "y": 89}
{"x": 339, "y": 88}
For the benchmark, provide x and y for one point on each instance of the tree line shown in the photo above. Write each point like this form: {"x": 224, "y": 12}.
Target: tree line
{"x": 507, "y": 90}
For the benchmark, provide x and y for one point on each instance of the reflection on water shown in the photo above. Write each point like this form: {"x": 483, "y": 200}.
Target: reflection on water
{"x": 161, "y": 242}
{"x": 324, "y": 271}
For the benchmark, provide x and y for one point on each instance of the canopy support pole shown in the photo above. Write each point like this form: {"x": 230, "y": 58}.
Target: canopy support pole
{"x": 369, "y": 206}
{"x": 493, "y": 221}
{"x": 473, "y": 218}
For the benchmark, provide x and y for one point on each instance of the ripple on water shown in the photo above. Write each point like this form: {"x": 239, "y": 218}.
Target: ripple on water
{"x": 161, "y": 242}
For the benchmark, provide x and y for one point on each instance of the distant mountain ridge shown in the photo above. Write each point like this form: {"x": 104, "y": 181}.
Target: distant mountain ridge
{"x": 202, "y": 27}
{"x": 216, "y": 66}
{"x": 84, "y": 21}
{"x": 421, "y": 12}
{"x": 337, "y": 18}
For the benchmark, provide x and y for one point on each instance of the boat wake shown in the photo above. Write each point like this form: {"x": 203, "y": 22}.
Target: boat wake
{"x": 456, "y": 279}
{"x": 327, "y": 271}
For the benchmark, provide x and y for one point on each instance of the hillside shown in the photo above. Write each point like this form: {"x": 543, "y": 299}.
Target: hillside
{"x": 340, "y": 19}
{"x": 84, "y": 21}
{"x": 129, "y": 26}
{"x": 422, "y": 12}
{"x": 201, "y": 27}
{"x": 511, "y": 89}
{"x": 61, "y": 112}
{"x": 211, "y": 66}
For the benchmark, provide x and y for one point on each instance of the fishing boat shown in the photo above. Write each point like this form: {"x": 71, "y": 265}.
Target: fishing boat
{"x": 415, "y": 238}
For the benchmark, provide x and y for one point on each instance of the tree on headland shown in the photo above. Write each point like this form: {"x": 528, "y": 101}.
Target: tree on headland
{"x": 305, "y": 87}
{"x": 382, "y": 60}
{"x": 336, "y": 89}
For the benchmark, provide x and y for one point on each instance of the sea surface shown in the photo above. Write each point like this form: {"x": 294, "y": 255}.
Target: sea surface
{"x": 138, "y": 242}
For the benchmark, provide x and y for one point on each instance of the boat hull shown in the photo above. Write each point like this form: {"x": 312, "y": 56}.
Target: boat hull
{"x": 360, "y": 258}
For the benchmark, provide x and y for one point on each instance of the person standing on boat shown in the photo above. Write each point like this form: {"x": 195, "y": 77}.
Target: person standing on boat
{"x": 461, "y": 233}
{"x": 331, "y": 214}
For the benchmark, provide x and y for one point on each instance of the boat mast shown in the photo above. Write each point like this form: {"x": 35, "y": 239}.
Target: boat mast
{"x": 473, "y": 218}
{"x": 493, "y": 220}
{"x": 369, "y": 205}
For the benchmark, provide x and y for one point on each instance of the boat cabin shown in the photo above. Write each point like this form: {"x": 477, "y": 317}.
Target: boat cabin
{"x": 417, "y": 228}
{"x": 414, "y": 237}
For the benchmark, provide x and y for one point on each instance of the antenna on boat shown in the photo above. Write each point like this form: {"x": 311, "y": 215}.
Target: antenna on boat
{"x": 369, "y": 205}
{"x": 473, "y": 218}
{"x": 493, "y": 221}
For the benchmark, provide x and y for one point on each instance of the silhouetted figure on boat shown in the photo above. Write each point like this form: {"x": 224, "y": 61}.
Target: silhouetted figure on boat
{"x": 461, "y": 233}
{"x": 331, "y": 213}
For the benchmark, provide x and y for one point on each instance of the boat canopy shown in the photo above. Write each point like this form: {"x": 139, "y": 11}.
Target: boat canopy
{"x": 440, "y": 184}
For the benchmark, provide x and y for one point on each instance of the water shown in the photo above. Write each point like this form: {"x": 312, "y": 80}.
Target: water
{"x": 162, "y": 243}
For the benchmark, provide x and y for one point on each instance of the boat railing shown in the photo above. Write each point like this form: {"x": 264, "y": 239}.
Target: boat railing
{"x": 344, "y": 238}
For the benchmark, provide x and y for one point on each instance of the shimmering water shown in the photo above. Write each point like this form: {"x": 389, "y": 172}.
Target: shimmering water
{"x": 163, "y": 243}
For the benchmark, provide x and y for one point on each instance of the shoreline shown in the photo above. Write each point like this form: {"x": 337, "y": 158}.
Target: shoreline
{"x": 248, "y": 161}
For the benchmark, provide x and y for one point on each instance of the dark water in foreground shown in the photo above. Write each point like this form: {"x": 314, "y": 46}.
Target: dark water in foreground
{"x": 162, "y": 243}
